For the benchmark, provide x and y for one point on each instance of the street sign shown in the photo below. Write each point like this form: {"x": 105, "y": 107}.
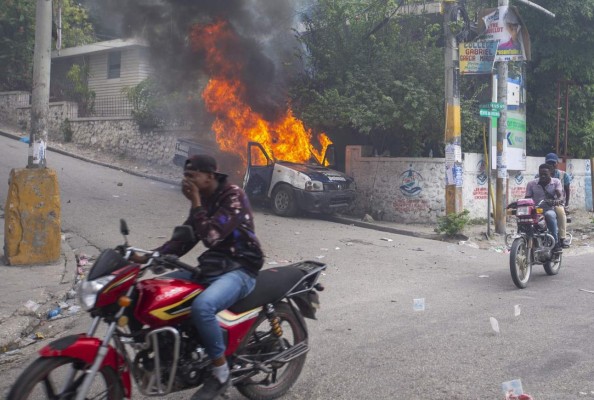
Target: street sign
{"x": 493, "y": 106}
{"x": 489, "y": 113}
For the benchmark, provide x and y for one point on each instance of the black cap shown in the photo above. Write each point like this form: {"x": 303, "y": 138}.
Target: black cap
{"x": 203, "y": 163}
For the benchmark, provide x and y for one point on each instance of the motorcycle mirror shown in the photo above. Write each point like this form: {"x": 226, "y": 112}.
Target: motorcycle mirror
{"x": 183, "y": 233}
{"x": 124, "y": 227}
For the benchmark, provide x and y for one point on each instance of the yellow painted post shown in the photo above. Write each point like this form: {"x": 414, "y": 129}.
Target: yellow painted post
{"x": 32, "y": 217}
{"x": 453, "y": 136}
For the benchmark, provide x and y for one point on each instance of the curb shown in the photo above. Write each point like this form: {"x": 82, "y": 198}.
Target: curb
{"x": 73, "y": 155}
{"x": 368, "y": 225}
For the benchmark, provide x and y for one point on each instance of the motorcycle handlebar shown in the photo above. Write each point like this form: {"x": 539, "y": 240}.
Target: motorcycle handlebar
{"x": 174, "y": 261}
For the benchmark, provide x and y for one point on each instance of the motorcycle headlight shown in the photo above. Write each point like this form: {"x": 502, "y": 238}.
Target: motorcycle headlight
{"x": 314, "y": 186}
{"x": 87, "y": 290}
{"x": 522, "y": 211}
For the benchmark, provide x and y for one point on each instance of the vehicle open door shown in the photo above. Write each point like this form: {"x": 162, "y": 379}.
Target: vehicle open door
{"x": 258, "y": 173}
{"x": 329, "y": 159}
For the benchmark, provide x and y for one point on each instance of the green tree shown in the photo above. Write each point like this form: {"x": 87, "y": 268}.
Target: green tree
{"x": 562, "y": 50}
{"x": 373, "y": 76}
{"x": 17, "y": 38}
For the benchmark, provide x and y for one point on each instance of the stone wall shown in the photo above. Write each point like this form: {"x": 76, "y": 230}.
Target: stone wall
{"x": 9, "y": 103}
{"x": 397, "y": 189}
{"x": 58, "y": 112}
{"x": 120, "y": 135}
{"x": 413, "y": 189}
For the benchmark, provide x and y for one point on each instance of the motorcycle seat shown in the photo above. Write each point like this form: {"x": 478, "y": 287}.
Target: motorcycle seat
{"x": 271, "y": 285}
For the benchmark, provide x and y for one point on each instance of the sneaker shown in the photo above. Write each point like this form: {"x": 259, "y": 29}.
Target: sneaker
{"x": 558, "y": 248}
{"x": 211, "y": 388}
{"x": 564, "y": 243}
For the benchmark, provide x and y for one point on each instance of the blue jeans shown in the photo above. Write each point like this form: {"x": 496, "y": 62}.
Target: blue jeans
{"x": 221, "y": 293}
{"x": 551, "y": 219}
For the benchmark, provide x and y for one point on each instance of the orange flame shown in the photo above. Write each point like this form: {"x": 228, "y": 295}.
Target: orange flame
{"x": 236, "y": 123}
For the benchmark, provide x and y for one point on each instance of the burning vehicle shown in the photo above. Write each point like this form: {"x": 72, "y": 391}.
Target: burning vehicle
{"x": 293, "y": 186}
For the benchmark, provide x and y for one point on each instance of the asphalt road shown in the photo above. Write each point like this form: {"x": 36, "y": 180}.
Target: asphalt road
{"x": 368, "y": 342}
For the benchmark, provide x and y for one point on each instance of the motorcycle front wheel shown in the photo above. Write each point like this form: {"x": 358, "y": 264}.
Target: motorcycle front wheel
{"x": 60, "y": 378}
{"x": 263, "y": 345}
{"x": 520, "y": 264}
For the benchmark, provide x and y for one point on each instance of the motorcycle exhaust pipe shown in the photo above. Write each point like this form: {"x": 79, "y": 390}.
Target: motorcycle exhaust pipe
{"x": 551, "y": 240}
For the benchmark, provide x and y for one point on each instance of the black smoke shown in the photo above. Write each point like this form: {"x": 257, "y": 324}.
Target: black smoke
{"x": 266, "y": 40}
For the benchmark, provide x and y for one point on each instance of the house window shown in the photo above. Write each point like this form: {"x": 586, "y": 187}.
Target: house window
{"x": 114, "y": 63}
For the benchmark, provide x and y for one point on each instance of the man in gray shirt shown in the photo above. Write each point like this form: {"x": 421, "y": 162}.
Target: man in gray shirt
{"x": 550, "y": 190}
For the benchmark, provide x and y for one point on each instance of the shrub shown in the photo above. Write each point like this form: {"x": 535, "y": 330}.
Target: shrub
{"x": 66, "y": 130}
{"x": 84, "y": 97}
{"x": 145, "y": 99}
{"x": 452, "y": 224}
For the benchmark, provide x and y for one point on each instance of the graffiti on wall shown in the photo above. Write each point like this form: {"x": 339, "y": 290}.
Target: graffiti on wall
{"x": 480, "y": 192}
{"x": 411, "y": 183}
{"x": 411, "y": 187}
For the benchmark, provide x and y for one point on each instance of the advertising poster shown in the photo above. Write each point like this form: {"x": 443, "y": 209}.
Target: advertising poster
{"x": 504, "y": 25}
{"x": 515, "y": 138}
{"x": 477, "y": 57}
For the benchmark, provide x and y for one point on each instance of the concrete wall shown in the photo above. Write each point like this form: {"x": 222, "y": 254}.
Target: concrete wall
{"x": 59, "y": 111}
{"x": 9, "y": 103}
{"x": 400, "y": 189}
{"x": 413, "y": 189}
{"x": 122, "y": 136}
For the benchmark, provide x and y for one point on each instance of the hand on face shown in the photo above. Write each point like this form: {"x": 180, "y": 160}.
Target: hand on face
{"x": 190, "y": 187}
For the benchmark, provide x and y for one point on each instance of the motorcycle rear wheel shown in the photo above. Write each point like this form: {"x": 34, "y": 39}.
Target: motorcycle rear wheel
{"x": 552, "y": 267}
{"x": 261, "y": 342}
{"x": 520, "y": 264}
{"x": 45, "y": 379}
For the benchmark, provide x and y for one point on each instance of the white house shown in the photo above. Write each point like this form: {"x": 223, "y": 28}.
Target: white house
{"x": 113, "y": 65}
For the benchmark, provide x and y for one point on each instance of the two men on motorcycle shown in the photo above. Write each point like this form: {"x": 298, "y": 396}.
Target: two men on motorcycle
{"x": 550, "y": 190}
{"x": 561, "y": 211}
{"x": 221, "y": 217}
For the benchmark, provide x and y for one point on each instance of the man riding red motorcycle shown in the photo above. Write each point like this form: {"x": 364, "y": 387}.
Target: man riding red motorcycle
{"x": 221, "y": 217}
{"x": 551, "y": 191}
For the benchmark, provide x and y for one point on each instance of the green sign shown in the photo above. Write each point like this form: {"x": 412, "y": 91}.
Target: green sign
{"x": 488, "y": 113}
{"x": 493, "y": 106}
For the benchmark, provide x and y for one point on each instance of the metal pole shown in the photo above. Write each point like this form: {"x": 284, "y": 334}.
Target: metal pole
{"x": 500, "y": 190}
{"x": 41, "y": 81}
{"x": 453, "y": 142}
{"x": 566, "y": 121}
{"x": 558, "y": 116}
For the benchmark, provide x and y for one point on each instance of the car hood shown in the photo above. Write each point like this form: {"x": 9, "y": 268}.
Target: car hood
{"x": 318, "y": 173}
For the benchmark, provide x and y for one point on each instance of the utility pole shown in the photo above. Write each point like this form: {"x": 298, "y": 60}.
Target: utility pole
{"x": 453, "y": 136}
{"x": 32, "y": 232}
{"x": 502, "y": 71}
{"x": 501, "y": 185}
{"x": 41, "y": 84}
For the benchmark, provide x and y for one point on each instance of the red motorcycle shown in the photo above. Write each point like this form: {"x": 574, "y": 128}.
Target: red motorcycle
{"x": 149, "y": 336}
{"x": 532, "y": 243}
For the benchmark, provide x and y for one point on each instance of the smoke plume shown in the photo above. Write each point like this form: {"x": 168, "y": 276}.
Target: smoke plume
{"x": 266, "y": 41}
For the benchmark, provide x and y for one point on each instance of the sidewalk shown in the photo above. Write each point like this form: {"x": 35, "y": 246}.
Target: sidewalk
{"x": 29, "y": 292}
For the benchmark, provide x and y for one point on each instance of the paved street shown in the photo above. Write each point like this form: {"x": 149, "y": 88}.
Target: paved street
{"x": 368, "y": 342}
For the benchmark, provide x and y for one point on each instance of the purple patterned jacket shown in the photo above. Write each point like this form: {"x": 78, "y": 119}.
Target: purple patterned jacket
{"x": 225, "y": 225}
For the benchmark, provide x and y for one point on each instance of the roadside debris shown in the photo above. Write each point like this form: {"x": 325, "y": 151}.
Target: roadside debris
{"x": 586, "y": 290}
{"x": 513, "y": 390}
{"x": 53, "y": 313}
{"x": 419, "y": 304}
{"x": 483, "y": 276}
{"x": 494, "y": 324}
{"x": 387, "y": 239}
{"x": 517, "y": 310}
{"x": 32, "y": 306}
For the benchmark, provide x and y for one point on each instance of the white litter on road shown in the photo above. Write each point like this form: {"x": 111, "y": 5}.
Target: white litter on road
{"x": 494, "y": 324}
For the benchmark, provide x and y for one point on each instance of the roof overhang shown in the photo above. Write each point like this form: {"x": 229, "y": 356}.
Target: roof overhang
{"x": 98, "y": 47}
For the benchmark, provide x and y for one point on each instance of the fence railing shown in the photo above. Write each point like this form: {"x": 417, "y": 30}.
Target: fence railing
{"x": 112, "y": 106}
